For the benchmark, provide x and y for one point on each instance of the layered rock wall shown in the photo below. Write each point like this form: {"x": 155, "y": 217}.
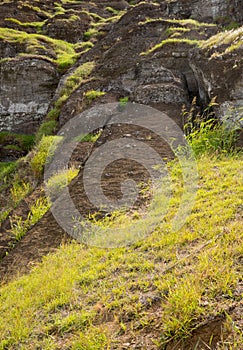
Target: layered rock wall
{"x": 157, "y": 54}
{"x": 26, "y": 89}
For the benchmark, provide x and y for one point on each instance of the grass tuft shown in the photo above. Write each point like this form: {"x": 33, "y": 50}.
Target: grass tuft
{"x": 20, "y": 227}
{"x": 58, "y": 181}
{"x": 93, "y": 94}
{"x": 46, "y": 129}
{"x": 46, "y": 147}
{"x": 171, "y": 41}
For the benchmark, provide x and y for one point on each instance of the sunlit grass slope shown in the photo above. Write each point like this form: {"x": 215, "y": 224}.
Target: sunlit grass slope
{"x": 89, "y": 298}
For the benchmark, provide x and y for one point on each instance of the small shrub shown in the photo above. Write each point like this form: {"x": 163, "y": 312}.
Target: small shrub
{"x": 47, "y": 128}
{"x": 19, "y": 191}
{"x": 211, "y": 138}
{"x": 53, "y": 114}
{"x": 124, "y": 101}
{"x": 4, "y": 214}
{"x": 93, "y": 94}
{"x": 38, "y": 209}
{"x": 90, "y": 33}
{"x": 18, "y": 227}
{"x": 205, "y": 133}
{"x": 6, "y": 169}
{"x": 83, "y": 46}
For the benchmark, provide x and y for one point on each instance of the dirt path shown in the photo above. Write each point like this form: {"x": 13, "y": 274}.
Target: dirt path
{"x": 47, "y": 235}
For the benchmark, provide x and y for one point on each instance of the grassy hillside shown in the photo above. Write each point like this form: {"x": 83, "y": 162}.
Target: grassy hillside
{"x": 160, "y": 290}
{"x": 172, "y": 290}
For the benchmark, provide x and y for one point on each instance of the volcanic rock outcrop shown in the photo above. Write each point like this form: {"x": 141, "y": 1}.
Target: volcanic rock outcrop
{"x": 162, "y": 54}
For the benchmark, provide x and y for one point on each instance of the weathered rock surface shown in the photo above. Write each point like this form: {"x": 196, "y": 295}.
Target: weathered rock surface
{"x": 26, "y": 88}
{"x": 206, "y": 10}
{"x": 70, "y": 28}
{"x": 167, "y": 77}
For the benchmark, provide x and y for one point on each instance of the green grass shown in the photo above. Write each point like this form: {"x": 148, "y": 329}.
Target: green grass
{"x": 58, "y": 181}
{"x": 87, "y": 137}
{"x": 212, "y": 139}
{"x": 45, "y": 148}
{"x": 77, "y": 76}
{"x": 233, "y": 39}
{"x": 37, "y": 25}
{"x": 6, "y": 59}
{"x": 88, "y": 297}
{"x": 222, "y": 43}
{"x": 92, "y": 32}
{"x": 191, "y": 42}
{"x": 24, "y": 142}
{"x": 47, "y": 128}
{"x": 64, "y": 51}
{"x": 172, "y": 30}
{"x": 37, "y": 9}
{"x": 71, "y": 83}
{"x": 13, "y": 186}
{"x": 59, "y": 9}
{"x": 20, "y": 227}
{"x": 6, "y": 169}
{"x": 4, "y": 214}
{"x": 19, "y": 191}
{"x": 123, "y": 101}
{"x": 183, "y": 22}
{"x": 93, "y": 94}
{"x": 84, "y": 46}
{"x": 113, "y": 11}
{"x": 232, "y": 25}
{"x": 12, "y": 147}
{"x": 178, "y": 32}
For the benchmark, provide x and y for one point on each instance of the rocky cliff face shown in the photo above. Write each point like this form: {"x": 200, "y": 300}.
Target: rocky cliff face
{"x": 161, "y": 54}
{"x": 207, "y": 10}
{"x": 27, "y": 87}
